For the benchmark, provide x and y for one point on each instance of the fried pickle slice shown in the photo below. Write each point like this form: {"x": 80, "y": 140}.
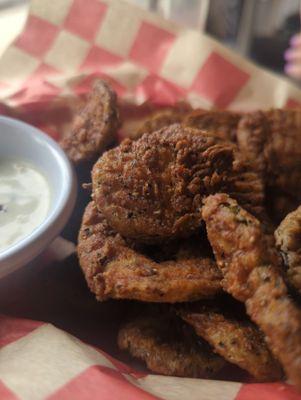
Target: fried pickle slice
{"x": 95, "y": 127}
{"x": 238, "y": 341}
{"x": 252, "y": 274}
{"x": 166, "y": 349}
{"x": 116, "y": 269}
{"x": 272, "y": 138}
{"x": 220, "y": 123}
{"x": 151, "y": 189}
{"x": 162, "y": 118}
{"x": 288, "y": 241}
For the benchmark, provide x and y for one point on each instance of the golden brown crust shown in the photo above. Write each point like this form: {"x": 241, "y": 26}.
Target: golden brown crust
{"x": 239, "y": 342}
{"x": 288, "y": 240}
{"x": 220, "y": 123}
{"x": 166, "y": 351}
{"x": 95, "y": 127}
{"x": 278, "y": 317}
{"x": 252, "y": 274}
{"x": 114, "y": 269}
{"x": 273, "y": 140}
{"x": 236, "y": 235}
{"x": 162, "y": 118}
{"x": 151, "y": 189}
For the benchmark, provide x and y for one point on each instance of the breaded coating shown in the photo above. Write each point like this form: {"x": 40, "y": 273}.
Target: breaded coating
{"x": 239, "y": 342}
{"x": 273, "y": 140}
{"x": 95, "y": 127}
{"x": 237, "y": 236}
{"x": 166, "y": 349}
{"x": 115, "y": 269}
{"x": 288, "y": 240}
{"x": 220, "y": 123}
{"x": 162, "y": 118}
{"x": 252, "y": 274}
{"x": 151, "y": 189}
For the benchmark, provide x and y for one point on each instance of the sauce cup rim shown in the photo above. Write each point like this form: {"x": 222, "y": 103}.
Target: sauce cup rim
{"x": 31, "y": 245}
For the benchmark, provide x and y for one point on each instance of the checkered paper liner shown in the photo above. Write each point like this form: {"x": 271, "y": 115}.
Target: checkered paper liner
{"x": 39, "y": 361}
{"x": 64, "y": 46}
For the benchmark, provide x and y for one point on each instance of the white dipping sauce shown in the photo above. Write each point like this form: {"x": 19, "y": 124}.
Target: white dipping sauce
{"x": 24, "y": 200}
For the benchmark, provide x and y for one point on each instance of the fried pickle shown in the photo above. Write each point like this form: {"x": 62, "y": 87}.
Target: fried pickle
{"x": 288, "y": 240}
{"x": 116, "y": 269}
{"x": 95, "y": 127}
{"x": 273, "y": 140}
{"x": 220, "y": 123}
{"x": 151, "y": 189}
{"x": 238, "y": 341}
{"x": 252, "y": 274}
{"x": 162, "y": 118}
{"x": 166, "y": 349}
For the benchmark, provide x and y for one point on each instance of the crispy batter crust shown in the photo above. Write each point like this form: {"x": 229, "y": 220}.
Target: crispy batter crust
{"x": 162, "y": 118}
{"x": 288, "y": 240}
{"x": 239, "y": 342}
{"x": 95, "y": 127}
{"x": 251, "y": 274}
{"x": 166, "y": 351}
{"x": 151, "y": 189}
{"x": 114, "y": 269}
{"x": 237, "y": 236}
{"x": 273, "y": 140}
{"x": 220, "y": 123}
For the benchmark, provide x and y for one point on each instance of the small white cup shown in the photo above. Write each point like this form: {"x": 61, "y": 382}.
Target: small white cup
{"x": 22, "y": 141}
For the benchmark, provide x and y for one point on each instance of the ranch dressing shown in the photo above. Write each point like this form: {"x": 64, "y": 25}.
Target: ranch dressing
{"x": 24, "y": 200}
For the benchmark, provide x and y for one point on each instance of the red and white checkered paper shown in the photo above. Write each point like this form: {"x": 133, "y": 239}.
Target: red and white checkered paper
{"x": 64, "y": 46}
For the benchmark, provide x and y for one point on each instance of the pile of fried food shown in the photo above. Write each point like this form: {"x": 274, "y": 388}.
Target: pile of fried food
{"x": 186, "y": 215}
